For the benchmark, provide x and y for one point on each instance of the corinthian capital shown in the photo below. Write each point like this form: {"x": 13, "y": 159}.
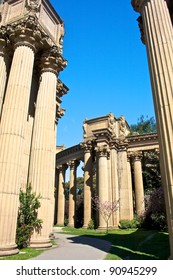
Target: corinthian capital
{"x": 87, "y": 146}
{"x": 25, "y": 32}
{"x": 52, "y": 60}
{"x": 138, "y": 4}
{"x": 5, "y": 47}
{"x": 103, "y": 151}
{"x": 136, "y": 156}
{"x": 61, "y": 88}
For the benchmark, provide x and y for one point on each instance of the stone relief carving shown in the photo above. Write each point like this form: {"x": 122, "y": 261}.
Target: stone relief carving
{"x": 123, "y": 127}
{"x": 61, "y": 35}
{"x": 33, "y": 4}
{"x": 112, "y": 124}
{"x": 84, "y": 129}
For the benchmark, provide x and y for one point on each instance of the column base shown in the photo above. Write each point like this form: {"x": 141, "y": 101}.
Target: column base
{"x": 8, "y": 250}
{"x": 71, "y": 225}
{"x": 85, "y": 226}
{"x": 171, "y": 257}
{"x": 102, "y": 228}
{"x": 40, "y": 244}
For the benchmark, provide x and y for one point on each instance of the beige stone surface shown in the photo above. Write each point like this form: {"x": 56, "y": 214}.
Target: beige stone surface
{"x": 156, "y": 27}
{"x": 31, "y": 34}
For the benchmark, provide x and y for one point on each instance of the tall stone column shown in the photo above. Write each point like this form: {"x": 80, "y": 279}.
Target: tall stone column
{"x": 13, "y": 119}
{"x": 88, "y": 180}
{"x": 126, "y": 206}
{"x": 3, "y": 67}
{"x": 129, "y": 174}
{"x": 115, "y": 186}
{"x": 138, "y": 182}
{"x": 61, "y": 196}
{"x": 103, "y": 152}
{"x": 43, "y": 149}
{"x": 157, "y": 33}
{"x": 72, "y": 193}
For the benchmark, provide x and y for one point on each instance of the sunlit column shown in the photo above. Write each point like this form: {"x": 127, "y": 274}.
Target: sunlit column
{"x": 88, "y": 180}
{"x": 13, "y": 119}
{"x": 126, "y": 207}
{"x": 102, "y": 152}
{"x": 115, "y": 186}
{"x": 138, "y": 182}
{"x": 157, "y": 33}
{"x": 72, "y": 193}
{"x": 43, "y": 148}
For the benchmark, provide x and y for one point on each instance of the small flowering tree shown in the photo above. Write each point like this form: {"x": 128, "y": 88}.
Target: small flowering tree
{"x": 105, "y": 208}
{"x": 27, "y": 220}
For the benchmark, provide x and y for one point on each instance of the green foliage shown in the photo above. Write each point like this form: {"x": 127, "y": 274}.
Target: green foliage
{"x": 144, "y": 125}
{"x": 154, "y": 216}
{"x": 151, "y": 170}
{"x": 91, "y": 224}
{"x": 27, "y": 220}
{"x": 130, "y": 224}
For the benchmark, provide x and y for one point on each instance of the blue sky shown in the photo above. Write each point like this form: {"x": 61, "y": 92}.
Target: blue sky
{"x": 107, "y": 67}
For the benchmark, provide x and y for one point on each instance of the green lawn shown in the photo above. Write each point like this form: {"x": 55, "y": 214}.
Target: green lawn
{"x": 131, "y": 244}
{"x": 126, "y": 244}
{"x": 24, "y": 254}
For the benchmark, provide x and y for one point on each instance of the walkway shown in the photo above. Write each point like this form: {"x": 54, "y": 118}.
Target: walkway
{"x": 72, "y": 247}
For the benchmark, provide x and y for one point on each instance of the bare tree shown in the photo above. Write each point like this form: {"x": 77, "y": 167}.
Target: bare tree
{"x": 105, "y": 208}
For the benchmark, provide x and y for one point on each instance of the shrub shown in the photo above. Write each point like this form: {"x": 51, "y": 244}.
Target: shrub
{"x": 27, "y": 220}
{"x": 126, "y": 224}
{"x": 91, "y": 224}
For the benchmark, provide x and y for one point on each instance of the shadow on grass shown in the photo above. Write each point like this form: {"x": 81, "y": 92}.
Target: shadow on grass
{"x": 136, "y": 245}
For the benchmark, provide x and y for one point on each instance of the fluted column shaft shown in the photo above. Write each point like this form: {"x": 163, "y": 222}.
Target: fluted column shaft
{"x": 129, "y": 174}
{"x": 138, "y": 182}
{"x": 72, "y": 194}
{"x": 13, "y": 119}
{"x": 42, "y": 164}
{"x": 61, "y": 197}
{"x": 103, "y": 180}
{"x": 126, "y": 207}
{"x": 158, "y": 32}
{"x": 115, "y": 188}
{"x": 88, "y": 180}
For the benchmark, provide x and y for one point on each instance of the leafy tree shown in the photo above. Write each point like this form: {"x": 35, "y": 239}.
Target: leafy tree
{"x": 144, "y": 125}
{"x": 151, "y": 170}
{"x": 27, "y": 220}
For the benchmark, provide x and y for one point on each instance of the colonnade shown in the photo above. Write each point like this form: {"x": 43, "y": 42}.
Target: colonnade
{"x": 113, "y": 166}
{"x": 30, "y": 62}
